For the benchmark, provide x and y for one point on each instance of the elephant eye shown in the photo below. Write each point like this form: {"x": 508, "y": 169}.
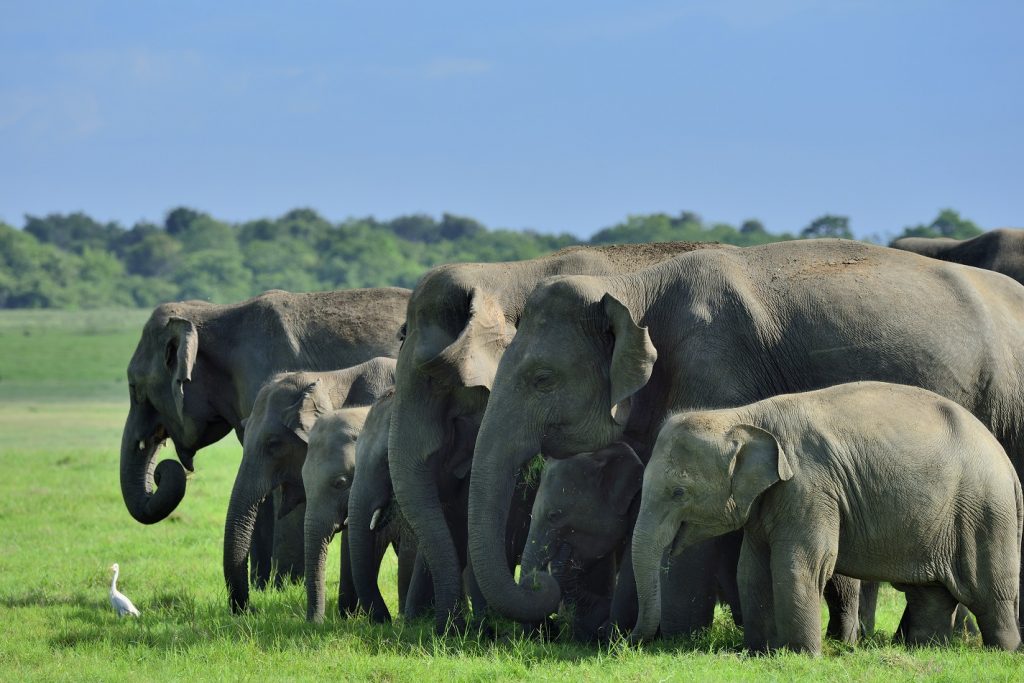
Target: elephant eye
{"x": 544, "y": 380}
{"x": 340, "y": 482}
{"x": 554, "y": 516}
{"x": 678, "y": 493}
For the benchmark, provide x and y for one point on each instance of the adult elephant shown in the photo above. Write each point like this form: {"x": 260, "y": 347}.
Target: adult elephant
{"x": 459, "y": 320}
{"x": 999, "y": 250}
{"x": 277, "y": 437}
{"x": 198, "y": 366}
{"x": 601, "y": 359}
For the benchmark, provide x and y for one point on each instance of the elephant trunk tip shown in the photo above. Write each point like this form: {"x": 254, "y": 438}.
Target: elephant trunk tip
{"x": 150, "y": 508}
{"x": 541, "y": 597}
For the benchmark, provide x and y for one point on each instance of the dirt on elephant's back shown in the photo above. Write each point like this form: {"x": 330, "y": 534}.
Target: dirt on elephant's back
{"x": 639, "y": 255}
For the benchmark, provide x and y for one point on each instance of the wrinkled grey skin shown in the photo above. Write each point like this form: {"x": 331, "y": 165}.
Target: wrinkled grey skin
{"x": 274, "y": 448}
{"x": 196, "y": 370}
{"x": 458, "y": 323}
{"x": 374, "y": 521}
{"x": 999, "y": 250}
{"x": 878, "y": 481}
{"x": 601, "y": 359}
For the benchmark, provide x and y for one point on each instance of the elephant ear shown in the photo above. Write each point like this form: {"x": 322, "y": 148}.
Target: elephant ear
{"x": 621, "y": 475}
{"x": 757, "y": 464}
{"x": 633, "y": 357}
{"x": 180, "y": 358}
{"x": 472, "y": 359}
{"x": 300, "y": 416}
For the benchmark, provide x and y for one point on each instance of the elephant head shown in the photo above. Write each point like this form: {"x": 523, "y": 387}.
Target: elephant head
{"x": 566, "y": 384}
{"x": 705, "y": 475}
{"x": 273, "y": 450}
{"x": 171, "y": 385}
{"x": 327, "y": 476}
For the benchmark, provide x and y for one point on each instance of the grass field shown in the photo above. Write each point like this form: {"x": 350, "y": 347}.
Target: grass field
{"x": 62, "y": 523}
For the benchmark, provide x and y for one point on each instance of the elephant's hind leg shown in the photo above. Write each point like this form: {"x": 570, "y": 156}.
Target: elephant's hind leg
{"x": 998, "y": 624}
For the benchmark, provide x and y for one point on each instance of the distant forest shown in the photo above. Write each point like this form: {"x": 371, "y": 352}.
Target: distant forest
{"x": 72, "y": 261}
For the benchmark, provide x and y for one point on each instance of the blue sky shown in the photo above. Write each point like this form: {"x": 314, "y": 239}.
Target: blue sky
{"x": 558, "y": 116}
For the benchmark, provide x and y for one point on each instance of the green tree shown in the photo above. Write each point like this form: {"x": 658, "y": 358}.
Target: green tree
{"x": 948, "y": 223}
{"x": 828, "y": 225}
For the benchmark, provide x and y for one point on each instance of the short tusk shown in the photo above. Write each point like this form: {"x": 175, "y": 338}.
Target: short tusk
{"x": 345, "y": 523}
{"x": 375, "y": 519}
{"x": 142, "y": 445}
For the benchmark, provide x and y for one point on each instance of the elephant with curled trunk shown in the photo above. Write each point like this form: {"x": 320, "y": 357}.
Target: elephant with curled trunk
{"x": 601, "y": 359}
{"x": 878, "y": 481}
{"x": 198, "y": 366}
{"x": 337, "y": 442}
{"x": 458, "y": 323}
{"x": 274, "y": 447}
{"x": 999, "y": 250}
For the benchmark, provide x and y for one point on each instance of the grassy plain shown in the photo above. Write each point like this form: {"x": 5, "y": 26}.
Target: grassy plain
{"x": 62, "y": 523}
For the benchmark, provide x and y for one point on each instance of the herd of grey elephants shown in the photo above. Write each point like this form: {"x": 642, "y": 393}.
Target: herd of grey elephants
{"x": 763, "y": 427}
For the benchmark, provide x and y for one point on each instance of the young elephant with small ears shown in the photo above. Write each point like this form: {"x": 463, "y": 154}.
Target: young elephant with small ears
{"x": 875, "y": 481}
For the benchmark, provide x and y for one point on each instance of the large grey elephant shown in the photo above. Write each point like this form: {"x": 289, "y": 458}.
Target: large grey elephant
{"x": 999, "y": 250}
{"x": 329, "y": 476}
{"x": 276, "y": 437}
{"x": 601, "y": 359}
{"x": 877, "y": 481}
{"x": 196, "y": 370}
{"x": 459, "y": 321}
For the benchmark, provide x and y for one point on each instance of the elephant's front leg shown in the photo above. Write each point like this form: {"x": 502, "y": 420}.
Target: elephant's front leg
{"x": 799, "y": 572}
{"x": 754, "y": 578}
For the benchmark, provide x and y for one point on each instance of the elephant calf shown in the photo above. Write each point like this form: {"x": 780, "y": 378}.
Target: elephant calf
{"x": 876, "y": 481}
{"x": 339, "y": 491}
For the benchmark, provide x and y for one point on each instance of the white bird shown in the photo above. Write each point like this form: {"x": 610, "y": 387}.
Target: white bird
{"x": 120, "y": 601}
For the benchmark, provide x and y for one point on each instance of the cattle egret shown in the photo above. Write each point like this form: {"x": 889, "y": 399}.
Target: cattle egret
{"x": 122, "y": 605}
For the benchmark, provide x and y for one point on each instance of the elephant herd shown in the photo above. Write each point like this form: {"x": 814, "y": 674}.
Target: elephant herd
{"x": 762, "y": 427}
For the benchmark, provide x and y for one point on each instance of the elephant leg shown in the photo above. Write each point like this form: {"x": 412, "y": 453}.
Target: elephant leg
{"x": 289, "y": 553}
{"x": 754, "y": 577}
{"x": 348, "y": 601}
{"x": 725, "y": 576}
{"x": 262, "y": 545}
{"x": 842, "y": 594}
{"x": 688, "y": 590}
{"x": 476, "y": 596}
{"x": 625, "y": 605}
{"x": 867, "y": 604}
{"x": 998, "y": 624}
{"x": 406, "y": 553}
{"x": 799, "y": 573}
{"x": 420, "y": 597}
{"x": 928, "y": 617}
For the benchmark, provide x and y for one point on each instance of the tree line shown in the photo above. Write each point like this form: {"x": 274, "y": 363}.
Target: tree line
{"x": 74, "y": 261}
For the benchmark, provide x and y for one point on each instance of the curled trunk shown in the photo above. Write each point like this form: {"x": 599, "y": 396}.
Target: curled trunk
{"x": 149, "y": 494}
{"x": 497, "y": 461}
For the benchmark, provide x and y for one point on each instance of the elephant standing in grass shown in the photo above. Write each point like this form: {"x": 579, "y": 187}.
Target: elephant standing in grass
{"x": 602, "y": 359}
{"x": 878, "y": 481}
{"x": 274, "y": 447}
{"x": 330, "y": 475}
{"x": 999, "y": 250}
{"x": 459, "y": 321}
{"x": 584, "y": 512}
{"x": 198, "y": 366}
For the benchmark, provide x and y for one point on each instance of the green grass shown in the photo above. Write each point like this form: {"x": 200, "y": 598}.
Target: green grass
{"x": 62, "y": 523}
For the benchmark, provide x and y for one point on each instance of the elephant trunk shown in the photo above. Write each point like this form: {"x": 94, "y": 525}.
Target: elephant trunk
{"x": 238, "y": 531}
{"x": 362, "y": 548}
{"x": 149, "y": 494}
{"x": 414, "y": 446}
{"x": 317, "y": 534}
{"x": 647, "y": 556}
{"x": 497, "y": 461}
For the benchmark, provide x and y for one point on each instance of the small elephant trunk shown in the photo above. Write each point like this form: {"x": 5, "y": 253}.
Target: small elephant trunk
{"x": 363, "y": 555}
{"x": 149, "y": 494}
{"x": 647, "y": 556}
{"x": 238, "y": 533}
{"x": 317, "y": 536}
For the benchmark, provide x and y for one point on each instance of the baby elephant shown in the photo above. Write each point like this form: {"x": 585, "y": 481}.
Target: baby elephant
{"x": 875, "y": 481}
